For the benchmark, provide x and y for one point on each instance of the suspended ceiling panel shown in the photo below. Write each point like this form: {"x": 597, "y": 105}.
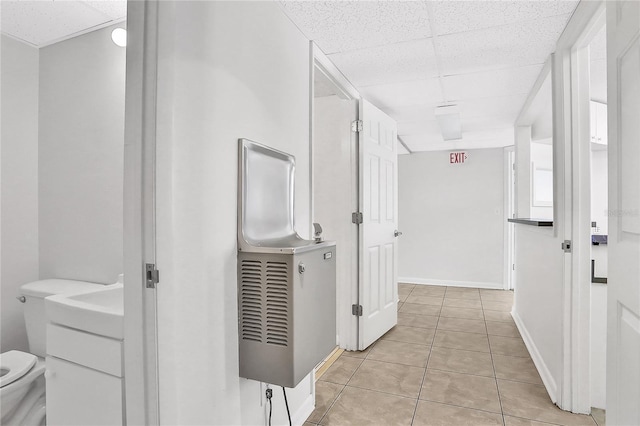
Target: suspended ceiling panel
{"x": 506, "y": 46}
{"x": 391, "y": 63}
{"x": 43, "y": 22}
{"x": 459, "y": 16}
{"x": 350, "y": 25}
{"x": 387, "y": 96}
{"x": 410, "y": 57}
{"x": 491, "y": 84}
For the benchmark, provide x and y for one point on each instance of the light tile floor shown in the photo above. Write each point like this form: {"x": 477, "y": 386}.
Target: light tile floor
{"x": 455, "y": 358}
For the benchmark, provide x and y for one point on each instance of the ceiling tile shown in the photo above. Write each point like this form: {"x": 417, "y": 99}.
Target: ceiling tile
{"x": 504, "y": 46}
{"x": 504, "y": 82}
{"x": 115, "y": 9}
{"x": 406, "y": 61}
{"x": 459, "y": 16}
{"x": 350, "y": 25}
{"x": 420, "y": 142}
{"x": 43, "y": 22}
{"x": 495, "y": 138}
{"x": 408, "y": 113}
{"x": 503, "y": 106}
{"x": 418, "y": 127}
{"x": 410, "y": 93}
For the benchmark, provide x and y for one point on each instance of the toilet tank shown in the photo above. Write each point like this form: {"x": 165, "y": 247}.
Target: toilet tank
{"x": 34, "y": 313}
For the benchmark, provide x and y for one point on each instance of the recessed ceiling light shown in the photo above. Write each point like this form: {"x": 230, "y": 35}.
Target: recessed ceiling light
{"x": 119, "y": 37}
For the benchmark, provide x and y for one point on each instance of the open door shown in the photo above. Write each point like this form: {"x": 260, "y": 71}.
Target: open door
{"x": 623, "y": 310}
{"x": 378, "y": 193}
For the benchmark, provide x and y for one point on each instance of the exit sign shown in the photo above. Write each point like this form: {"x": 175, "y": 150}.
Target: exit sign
{"x": 457, "y": 157}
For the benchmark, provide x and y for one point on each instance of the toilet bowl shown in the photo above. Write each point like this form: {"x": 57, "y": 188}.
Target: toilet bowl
{"x": 22, "y": 389}
{"x": 22, "y": 381}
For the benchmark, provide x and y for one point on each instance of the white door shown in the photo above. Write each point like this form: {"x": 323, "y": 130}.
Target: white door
{"x": 378, "y": 192}
{"x": 623, "y": 298}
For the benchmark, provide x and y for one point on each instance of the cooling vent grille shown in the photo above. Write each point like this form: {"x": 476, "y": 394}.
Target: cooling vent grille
{"x": 264, "y": 301}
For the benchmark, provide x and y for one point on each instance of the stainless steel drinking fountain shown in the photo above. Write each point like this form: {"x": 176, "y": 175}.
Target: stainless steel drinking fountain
{"x": 286, "y": 284}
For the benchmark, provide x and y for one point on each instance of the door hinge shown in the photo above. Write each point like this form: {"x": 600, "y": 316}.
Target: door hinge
{"x": 566, "y": 246}
{"x": 357, "y": 126}
{"x": 356, "y": 217}
{"x": 513, "y": 267}
{"x": 152, "y": 275}
{"x": 356, "y": 310}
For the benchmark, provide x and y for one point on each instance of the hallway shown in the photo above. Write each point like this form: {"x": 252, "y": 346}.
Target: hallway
{"x": 455, "y": 358}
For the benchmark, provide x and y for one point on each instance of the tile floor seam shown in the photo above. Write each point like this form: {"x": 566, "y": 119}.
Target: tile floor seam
{"x": 394, "y": 363}
{"x": 331, "y": 405}
{"x": 449, "y": 347}
{"x": 495, "y": 378}
{"x": 459, "y": 406}
{"x": 382, "y": 392}
{"x": 426, "y": 367}
{"x": 531, "y": 420}
{"x": 458, "y": 372}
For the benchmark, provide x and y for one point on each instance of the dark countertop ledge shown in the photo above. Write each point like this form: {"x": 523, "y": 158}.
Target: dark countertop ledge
{"x": 531, "y": 222}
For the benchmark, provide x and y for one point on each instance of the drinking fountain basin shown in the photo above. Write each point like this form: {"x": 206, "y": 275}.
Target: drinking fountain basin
{"x": 99, "y": 312}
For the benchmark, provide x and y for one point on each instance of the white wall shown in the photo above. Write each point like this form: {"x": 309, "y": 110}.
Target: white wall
{"x": 600, "y": 191}
{"x": 81, "y": 158}
{"x": 452, "y": 219}
{"x": 19, "y": 185}
{"x": 335, "y": 197}
{"x": 541, "y": 158}
{"x": 227, "y": 70}
{"x": 538, "y": 299}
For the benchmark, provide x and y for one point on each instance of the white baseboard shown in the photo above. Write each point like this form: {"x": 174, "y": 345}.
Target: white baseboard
{"x": 474, "y": 284}
{"x": 543, "y": 370}
{"x": 299, "y": 417}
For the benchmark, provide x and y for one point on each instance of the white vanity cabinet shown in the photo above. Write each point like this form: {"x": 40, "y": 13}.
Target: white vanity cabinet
{"x": 84, "y": 378}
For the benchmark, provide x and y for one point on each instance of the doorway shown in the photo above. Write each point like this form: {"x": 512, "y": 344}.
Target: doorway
{"x": 335, "y": 187}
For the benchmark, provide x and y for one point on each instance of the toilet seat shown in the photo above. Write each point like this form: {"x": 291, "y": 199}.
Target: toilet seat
{"x": 17, "y": 364}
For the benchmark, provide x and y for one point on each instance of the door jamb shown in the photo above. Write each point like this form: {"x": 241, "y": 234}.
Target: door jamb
{"x": 509, "y": 211}
{"x": 574, "y": 392}
{"x": 319, "y": 62}
{"x": 140, "y": 326}
{"x": 581, "y": 214}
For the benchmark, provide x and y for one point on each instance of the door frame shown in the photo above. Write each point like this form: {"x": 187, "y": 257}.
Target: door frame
{"x": 140, "y": 327}
{"x": 571, "y": 121}
{"x": 509, "y": 212}
{"x": 347, "y": 295}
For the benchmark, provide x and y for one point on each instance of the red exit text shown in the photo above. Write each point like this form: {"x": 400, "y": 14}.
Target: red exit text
{"x": 457, "y": 157}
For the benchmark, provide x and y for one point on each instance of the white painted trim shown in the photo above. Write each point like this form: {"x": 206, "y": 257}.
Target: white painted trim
{"x": 543, "y": 370}
{"x": 509, "y": 228}
{"x": 299, "y": 417}
{"x": 319, "y": 62}
{"x": 450, "y": 283}
{"x": 140, "y": 328}
{"x": 580, "y": 303}
{"x": 570, "y": 125}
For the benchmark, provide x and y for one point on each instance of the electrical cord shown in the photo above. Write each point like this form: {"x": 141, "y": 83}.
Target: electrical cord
{"x": 287, "y": 404}
{"x": 269, "y": 395}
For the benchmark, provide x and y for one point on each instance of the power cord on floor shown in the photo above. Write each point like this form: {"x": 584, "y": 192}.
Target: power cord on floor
{"x": 287, "y": 404}
{"x": 269, "y": 395}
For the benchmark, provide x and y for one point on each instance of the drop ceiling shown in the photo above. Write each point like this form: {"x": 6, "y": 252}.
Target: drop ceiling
{"x": 410, "y": 57}
{"x": 43, "y": 22}
{"x": 407, "y": 57}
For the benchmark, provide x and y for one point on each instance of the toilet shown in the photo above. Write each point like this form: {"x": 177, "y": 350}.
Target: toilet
{"x": 22, "y": 381}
